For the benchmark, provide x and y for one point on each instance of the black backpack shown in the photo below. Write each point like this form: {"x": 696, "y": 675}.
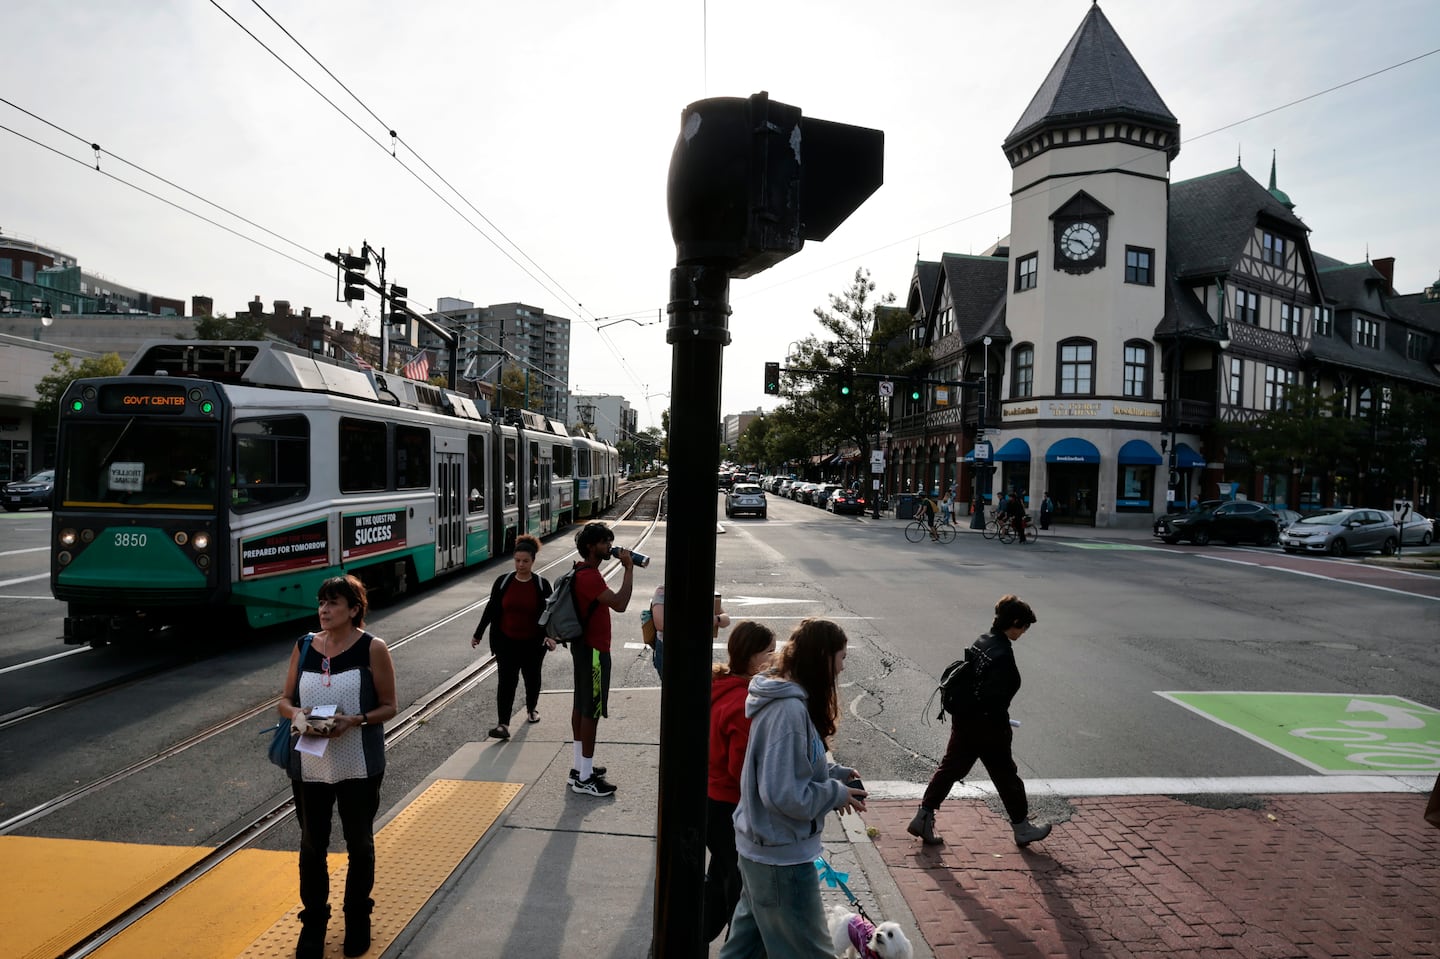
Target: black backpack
{"x": 962, "y": 681}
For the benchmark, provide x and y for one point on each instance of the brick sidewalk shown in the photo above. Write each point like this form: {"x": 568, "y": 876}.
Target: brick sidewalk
{"x": 1347, "y": 875}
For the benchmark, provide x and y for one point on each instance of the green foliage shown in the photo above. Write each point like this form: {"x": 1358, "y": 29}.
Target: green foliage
{"x": 224, "y": 327}
{"x": 64, "y": 371}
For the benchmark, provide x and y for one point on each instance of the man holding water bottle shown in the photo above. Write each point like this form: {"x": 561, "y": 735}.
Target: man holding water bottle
{"x": 591, "y": 652}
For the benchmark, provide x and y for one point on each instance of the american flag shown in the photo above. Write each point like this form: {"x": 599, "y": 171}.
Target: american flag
{"x": 358, "y": 361}
{"x": 418, "y": 368}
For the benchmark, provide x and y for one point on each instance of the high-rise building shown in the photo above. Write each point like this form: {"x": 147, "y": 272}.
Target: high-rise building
{"x": 505, "y": 336}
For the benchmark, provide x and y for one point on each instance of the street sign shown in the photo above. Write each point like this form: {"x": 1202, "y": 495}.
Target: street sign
{"x": 982, "y": 452}
{"x": 877, "y": 458}
{"x": 887, "y": 388}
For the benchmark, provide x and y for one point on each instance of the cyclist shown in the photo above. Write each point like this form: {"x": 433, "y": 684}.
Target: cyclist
{"x": 1015, "y": 510}
{"x": 927, "y": 510}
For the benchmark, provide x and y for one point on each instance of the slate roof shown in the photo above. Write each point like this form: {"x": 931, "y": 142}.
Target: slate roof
{"x": 1184, "y": 311}
{"x": 1212, "y": 217}
{"x": 925, "y": 281}
{"x": 975, "y": 283}
{"x": 1094, "y": 77}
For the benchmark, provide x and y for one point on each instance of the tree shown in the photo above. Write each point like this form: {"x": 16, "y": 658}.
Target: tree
{"x": 223, "y": 327}
{"x": 512, "y": 390}
{"x": 64, "y": 371}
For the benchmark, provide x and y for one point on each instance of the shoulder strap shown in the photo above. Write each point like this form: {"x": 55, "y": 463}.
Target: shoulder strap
{"x": 300, "y": 666}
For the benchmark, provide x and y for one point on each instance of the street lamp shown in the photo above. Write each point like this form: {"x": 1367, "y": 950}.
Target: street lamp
{"x": 982, "y": 473}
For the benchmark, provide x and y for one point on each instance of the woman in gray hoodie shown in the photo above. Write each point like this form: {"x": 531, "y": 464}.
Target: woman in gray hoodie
{"x": 787, "y": 787}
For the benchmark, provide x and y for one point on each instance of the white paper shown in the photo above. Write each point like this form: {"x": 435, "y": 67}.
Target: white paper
{"x": 323, "y": 712}
{"x": 313, "y": 745}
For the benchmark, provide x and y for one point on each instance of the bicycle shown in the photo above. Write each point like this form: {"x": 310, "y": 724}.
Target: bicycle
{"x": 1005, "y": 531}
{"x": 916, "y": 530}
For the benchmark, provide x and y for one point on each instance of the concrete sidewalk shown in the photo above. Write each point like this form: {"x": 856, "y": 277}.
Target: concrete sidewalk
{"x": 1242, "y": 876}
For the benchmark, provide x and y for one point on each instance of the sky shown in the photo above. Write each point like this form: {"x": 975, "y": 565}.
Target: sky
{"x": 553, "y": 123}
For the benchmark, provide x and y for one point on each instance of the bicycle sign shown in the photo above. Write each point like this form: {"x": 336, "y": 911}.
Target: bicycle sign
{"x": 1329, "y": 732}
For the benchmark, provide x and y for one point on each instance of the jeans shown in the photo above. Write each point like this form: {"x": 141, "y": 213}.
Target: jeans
{"x": 359, "y": 801}
{"x": 987, "y": 740}
{"x": 779, "y": 916}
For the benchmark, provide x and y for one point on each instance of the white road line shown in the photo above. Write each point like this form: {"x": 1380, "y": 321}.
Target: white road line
{"x": 1301, "y": 572}
{"x": 1158, "y": 786}
{"x": 44, "y": 659}
{"x": 24, "y": 579}
{"x": 17, "y": 552}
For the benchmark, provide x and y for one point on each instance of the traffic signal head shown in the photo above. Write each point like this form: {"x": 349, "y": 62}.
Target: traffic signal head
{"x": 751, "y": 181}
{"x": 847, "y": 383}
{"x": 772, "y": 379}
{"x": 397, "y": 299}
{"x": 916, "y": 391}
{"x": 354, "y": 285}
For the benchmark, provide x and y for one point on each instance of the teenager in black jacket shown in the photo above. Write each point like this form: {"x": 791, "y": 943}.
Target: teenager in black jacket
{"x": 983, "y": 731}
{"x": 516, "y": 637}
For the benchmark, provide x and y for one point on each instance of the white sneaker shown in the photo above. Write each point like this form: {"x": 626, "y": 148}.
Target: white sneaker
{"x": 594, "y": 786}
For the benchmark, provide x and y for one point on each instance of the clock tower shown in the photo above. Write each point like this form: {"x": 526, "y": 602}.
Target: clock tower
{"x": 1089, "y": 205}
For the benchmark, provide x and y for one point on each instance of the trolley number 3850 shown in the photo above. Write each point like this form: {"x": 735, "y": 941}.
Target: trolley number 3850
{"x": 136, "y": 540}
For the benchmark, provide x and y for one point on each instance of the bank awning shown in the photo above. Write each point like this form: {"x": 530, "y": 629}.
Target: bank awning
{"x": 969, "y": 457}
{"x": 1186, "y": 458}
{"x": 1139, "y": 453}
{"x": 1015, "y": 451}
{"x": 1072, "y": 449}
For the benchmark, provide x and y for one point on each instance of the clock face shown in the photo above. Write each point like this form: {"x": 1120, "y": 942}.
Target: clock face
{"x": 1080, "y": 241}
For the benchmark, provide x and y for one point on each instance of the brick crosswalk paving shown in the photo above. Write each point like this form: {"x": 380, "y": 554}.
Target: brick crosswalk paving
{"x": 1257, "y": 877}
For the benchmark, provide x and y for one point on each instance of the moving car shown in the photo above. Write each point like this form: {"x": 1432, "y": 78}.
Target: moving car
{"x": 846, "y": 501}
{"x": 35, "y": 491}
{"x": 1233, "y": 522}
{"x": 1342, "y": 531}
{"x": 1164, "y": 520}
{"x": 746, "y": 498}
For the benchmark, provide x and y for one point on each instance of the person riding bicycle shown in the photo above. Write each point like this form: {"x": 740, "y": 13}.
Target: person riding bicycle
{"x": 1015, "y": 510}
{"x": 926, "y": 511}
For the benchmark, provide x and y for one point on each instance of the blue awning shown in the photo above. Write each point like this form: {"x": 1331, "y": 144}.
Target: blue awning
{"x": 1072, "y": 449}
{"x": 969, "y": 457}
{"x": 1186, "y": 458}
{"x": 1015, "y": 451}
{"x": 1139, "y": 453}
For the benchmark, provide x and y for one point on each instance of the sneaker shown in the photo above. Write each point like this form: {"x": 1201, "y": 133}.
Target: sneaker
{"x": 1027, "y": 832}
{"x": 574, "y": 776}
{"x": 594, "y": 786}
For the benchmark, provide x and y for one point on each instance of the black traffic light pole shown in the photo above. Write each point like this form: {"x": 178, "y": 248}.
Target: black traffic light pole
{"x": 749, "y": 183}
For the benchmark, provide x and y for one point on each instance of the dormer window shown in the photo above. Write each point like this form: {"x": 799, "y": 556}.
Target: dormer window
{"x": 1274, "y": 252}
{"x": 1367, "y": 332}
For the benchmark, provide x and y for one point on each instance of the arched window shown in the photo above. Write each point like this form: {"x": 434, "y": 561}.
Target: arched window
{"x": 1137, "y": 369}
{"x": 1075, "y": 373}
{"x": 1022, "y": 371}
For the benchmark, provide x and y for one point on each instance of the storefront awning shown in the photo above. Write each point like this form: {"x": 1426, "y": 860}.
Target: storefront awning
{"x": 1015, "y": 451}
{"x": 1139, "y": 453}
{"x": 1072, "y": 449}
{"x": 1186, "y": 458}
{"x": 968, "y": 457}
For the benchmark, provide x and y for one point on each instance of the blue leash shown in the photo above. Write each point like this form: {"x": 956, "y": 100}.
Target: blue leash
{"x": 831, "y": 878}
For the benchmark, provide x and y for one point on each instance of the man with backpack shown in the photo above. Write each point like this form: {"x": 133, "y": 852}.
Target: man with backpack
{"x": 591, "y": 652}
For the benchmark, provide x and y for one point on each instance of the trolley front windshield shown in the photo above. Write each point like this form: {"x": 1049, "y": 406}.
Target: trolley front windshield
{"x": 138, "y": 462}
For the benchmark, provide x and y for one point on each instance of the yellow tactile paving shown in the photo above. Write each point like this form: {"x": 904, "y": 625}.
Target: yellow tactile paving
{"x": 414, "y": 854}
{"x": 246, "y": 906}
{"x": 55, "y": 892}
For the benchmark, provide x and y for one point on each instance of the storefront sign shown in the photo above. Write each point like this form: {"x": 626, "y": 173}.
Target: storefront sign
{"x": 1081, "y": 409}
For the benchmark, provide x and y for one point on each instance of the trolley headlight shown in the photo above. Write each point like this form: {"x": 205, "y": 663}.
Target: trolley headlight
{"x": 63, "y": 558}
{"x": 203, "y": 561}
{"x": 87, "y": 536}
{"x": 181, "y": 538}
{"x": 67, "y": 538}
{"x": 201, "y": 541}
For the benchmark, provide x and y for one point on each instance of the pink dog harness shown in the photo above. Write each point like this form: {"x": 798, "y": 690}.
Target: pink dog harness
{"x": 860, "y": 930}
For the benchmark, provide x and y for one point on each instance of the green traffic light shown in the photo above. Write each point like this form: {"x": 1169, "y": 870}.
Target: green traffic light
{"x": 77, "y": 405}
{"x": 845, "y": 390}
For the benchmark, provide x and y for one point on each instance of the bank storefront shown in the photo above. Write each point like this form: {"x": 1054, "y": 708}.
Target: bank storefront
{"x": 1097, "y": 458}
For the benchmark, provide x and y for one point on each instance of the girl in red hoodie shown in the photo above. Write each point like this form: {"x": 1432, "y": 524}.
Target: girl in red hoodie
{"x": 750, "y": 647}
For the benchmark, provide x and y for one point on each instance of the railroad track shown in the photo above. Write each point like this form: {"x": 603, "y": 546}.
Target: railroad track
{"x": 410, "y": 719}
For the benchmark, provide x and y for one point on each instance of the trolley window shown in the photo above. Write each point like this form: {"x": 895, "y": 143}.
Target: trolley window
{"x": 534, "y": 471}
{"x": 362, "y": 456}
{"x": 412, "y": 457}
{"x": 510, "y": 470}
{"x": 564, "y": 462}
{"x": 476, "y": 466}
{"x": 272, "y": 461}
{"x": 139, "y": 462}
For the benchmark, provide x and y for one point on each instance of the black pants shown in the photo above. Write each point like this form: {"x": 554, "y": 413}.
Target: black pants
{"x": 722, "y": 878}
{"x": 514, "y": 659}
{"x": 359, "y": 801}
{"x": 987, "y": 740}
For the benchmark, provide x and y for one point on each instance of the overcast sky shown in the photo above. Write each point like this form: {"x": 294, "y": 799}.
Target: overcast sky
{"x": 556, "y": 121}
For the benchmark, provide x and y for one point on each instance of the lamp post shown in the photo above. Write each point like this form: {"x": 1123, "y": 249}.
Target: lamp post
{"x": 982, "y": 473}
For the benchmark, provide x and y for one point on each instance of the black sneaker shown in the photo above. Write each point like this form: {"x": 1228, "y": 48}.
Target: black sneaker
{"x": 594, "y": 786}
{"x": 574, "y": 776}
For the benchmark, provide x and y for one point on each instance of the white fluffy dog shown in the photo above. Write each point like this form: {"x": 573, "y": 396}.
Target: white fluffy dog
{"x": 855, "y": 937}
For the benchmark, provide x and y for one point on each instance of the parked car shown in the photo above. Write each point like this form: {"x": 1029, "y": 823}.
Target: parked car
{"x": 1286, "y": 517}
{"x": 35, "y": 491}
{"x": 1418, "y": 530}
{"x": 1342, "y": 531}
{"x": 1233, "y": 522}
{"x": 846, "y": 501}
{"x": 800, "y": 492}
{"x": 746, "y": 498}
{"x": 820, "y": 495}
{"x": 1164, "y": 520}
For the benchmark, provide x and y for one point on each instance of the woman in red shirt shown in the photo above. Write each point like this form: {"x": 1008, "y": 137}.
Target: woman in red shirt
{"x": 750, "y": 647}
{"x": 516, "y": 637}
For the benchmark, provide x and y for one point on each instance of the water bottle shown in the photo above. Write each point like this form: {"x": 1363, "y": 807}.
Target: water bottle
{"x": 640, "y": 559}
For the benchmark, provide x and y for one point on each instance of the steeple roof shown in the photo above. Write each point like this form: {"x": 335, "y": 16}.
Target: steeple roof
{"x": 1095, "y": 77}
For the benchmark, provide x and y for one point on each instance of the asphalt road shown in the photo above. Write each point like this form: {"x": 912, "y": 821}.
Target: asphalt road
{"x": 1119, "y": 622}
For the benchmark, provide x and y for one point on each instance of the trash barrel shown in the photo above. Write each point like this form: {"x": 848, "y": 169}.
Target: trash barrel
{"x": 905, "y": 506}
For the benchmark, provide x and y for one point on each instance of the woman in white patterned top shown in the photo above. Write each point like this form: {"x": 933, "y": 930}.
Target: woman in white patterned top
{"x": 351, "y": 670}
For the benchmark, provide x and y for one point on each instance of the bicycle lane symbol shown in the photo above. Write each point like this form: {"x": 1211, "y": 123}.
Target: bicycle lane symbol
{"x": 1329, "y": 732}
